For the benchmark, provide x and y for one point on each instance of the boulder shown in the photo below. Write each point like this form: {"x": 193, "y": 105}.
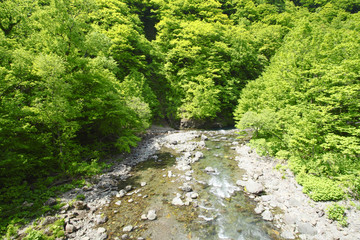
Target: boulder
{"x": 253, "y": 187}
{"x": 267, "y": 215}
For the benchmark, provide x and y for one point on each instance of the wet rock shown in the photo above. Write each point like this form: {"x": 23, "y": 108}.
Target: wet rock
{"x": 50, "y": 202}
{"x": 209, "y": 170}
{"x": 287, "y": 235}
{"x": 69, "y": 228}
{"x": 143, "y": 184}
{"x": 101, "y": 219}
{"x": 80, "y": 205}
{"x": 128, "y": 228}
{"x": 267, "y": 215}
{"x": 151, "y": 215}
{"x": 253, "y": 187}
{"x": 306, "y": 228}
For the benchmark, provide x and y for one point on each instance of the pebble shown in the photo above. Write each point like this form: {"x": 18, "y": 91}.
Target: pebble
{"x": 128, "y": 228}
{"x": 151, "y": 215}
{"x": 143, "y": 184}
{"x": 118, "y": 203}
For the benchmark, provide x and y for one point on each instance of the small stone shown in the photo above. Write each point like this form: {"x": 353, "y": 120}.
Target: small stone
{"x": 140, "y": 238}
{"x": 128, "y": 228}
{"x": 101, "y": 220}
{"x": 48, "y": 220}
{"x": 130, "y": 200}
{"x": 151, "y": 215}
{"x": 143, "y": 184}
{"x": 186, "y": 187}
{"x": 209, "y": 170}
{"x": 128, "y": 188}
{"x": 177, "y": 201}
{"x": 118, "y": 203}
{"x": 145, "y": 196}
{"x": 125, "y": 236}
{"x": 143, "y": 217}
{"x": 194, "y": 195}
{"x": 121, "y": 193}
{"x": 204, "y": 137}
{"x": 267, "y": 215}
{"x": 101, "y": 230}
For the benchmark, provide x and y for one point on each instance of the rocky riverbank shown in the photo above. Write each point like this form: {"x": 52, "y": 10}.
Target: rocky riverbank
{"x": 283, "y": 202}
{"x": 279, "y": 199}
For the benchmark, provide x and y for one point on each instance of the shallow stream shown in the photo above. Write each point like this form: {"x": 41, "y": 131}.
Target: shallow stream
{"x": 221, "y": 210}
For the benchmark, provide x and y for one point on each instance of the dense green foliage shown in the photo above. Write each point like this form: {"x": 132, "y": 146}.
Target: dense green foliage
{"x": 305, "y": 106}
{"x": 82, "y": 78}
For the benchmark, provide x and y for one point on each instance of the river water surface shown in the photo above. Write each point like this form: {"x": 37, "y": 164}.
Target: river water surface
{"x": 221, "y": 211}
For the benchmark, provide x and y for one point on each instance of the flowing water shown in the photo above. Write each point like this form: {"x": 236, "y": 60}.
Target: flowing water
{"x": 221, "y": 211}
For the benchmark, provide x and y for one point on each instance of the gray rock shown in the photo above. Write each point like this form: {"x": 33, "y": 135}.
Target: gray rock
{"x": 267, "y": 215}
{"x": 240, "y": 183}
{"x": 80, "y": 205}
{"x": 125, "y": 236}
{"x": 101, "y": 219}
{"x": 151, "y": 215}
{"x": 253, "y": 187}
{"x": 204, "y": 137}
{"x": 69, "y": 228}
{"x": 306, "y": 228}
{"x": 194, "y": 195}
{"x": 186, "y": 187}
{"x": 287, "y": 235}
{"x": 49, "y": 220}
{"x": 50, "y": 202}
{"x": 121, "y": 193}
{"x": 209, "y": 170}
{"x": 128, "y": 228}
{"x": 259, "y": 209}
{"x": 198, "y": 155}
{"x": 289, "y": 218}
{"x": 177, "y": 201}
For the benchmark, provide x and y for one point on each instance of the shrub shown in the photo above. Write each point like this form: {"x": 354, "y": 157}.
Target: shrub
{"x": 337, "y": 213}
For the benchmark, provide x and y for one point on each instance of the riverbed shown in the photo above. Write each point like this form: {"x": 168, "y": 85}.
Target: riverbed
{"x": 200, "y": 185}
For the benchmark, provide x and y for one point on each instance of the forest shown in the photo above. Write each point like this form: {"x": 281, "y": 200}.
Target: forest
{"x": 80, "y": 79}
